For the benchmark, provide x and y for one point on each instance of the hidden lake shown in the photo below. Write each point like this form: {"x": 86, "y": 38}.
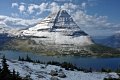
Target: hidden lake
{"x": 83, "y": 62}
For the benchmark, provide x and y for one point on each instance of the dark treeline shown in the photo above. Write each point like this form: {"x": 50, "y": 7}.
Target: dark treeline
{"x": 6, "y": 74}
{"x": 66, "y": 65}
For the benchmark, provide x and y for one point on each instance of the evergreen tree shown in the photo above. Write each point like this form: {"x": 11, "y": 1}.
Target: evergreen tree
{"x": 5, "y": 72}
{"x": 19, "y": 59}
{"x": 5, "y": 65}
{"x": 13, "y": 75}
{"x": 0, "y": 69}
{"x": 13, "y": 72}
{"x": 18, "y": 75}
{"x": 28, "y": 59}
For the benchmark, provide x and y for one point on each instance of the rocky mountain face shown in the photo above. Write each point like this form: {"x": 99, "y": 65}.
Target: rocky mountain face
{"x": 59, "y": 28}
{"x": 3, "y": 30}
{"x": 4, "y": 36}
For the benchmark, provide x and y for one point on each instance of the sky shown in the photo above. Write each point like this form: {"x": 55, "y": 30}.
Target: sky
{"x": 96, "y": 17}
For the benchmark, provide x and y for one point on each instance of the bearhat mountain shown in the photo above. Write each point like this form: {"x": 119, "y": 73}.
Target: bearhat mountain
{"x": 59, "y": 28}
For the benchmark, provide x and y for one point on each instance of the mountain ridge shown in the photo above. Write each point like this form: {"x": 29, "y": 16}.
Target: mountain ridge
{"x": 111, "y": 41}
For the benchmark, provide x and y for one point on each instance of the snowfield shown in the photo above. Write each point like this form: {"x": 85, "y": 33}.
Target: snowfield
{"x": 38, "y": 71}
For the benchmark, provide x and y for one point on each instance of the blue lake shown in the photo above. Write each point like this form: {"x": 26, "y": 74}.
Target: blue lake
{"x": 84, "y": 62}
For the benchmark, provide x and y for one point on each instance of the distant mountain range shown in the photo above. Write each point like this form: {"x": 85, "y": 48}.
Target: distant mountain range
{"x": 111, "y": 41}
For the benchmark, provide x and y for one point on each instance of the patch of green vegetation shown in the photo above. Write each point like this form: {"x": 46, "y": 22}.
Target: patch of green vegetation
{"x": 96, "y": 48}
{"x": 27, "y": 45}
{"x": 104, "y": 51}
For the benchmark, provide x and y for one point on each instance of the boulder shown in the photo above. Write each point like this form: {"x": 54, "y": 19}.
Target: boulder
{"x": 61, "y": 75}
{"x": 54, "y": 78}
{"x": 53, "y": 73}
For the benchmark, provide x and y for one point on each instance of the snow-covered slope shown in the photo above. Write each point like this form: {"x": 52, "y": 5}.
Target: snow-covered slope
{"x": 42, "y": 72}
{"x": 9, "y": 31}
{"x": 59, "y": 28}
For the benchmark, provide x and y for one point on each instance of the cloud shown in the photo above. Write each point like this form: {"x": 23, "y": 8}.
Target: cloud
{"x": 78, "y": 12}
{"x": 93, "y": 22}
{"x": 54, "y": 7}
{"x": 14, "y": 15}
{"x": 22, "y": 3}
{"x": 21, "y": 8}
{"x": 62, "y": 0}
{"x": 69, "y": 6}
{"x": 42, "y": 7}
{"x": 14, "y": 5}
{"x": 31, "y": 9}
{"x": 11, "y": 22}
{"x": 38, "y": 9}
{"x": 83, "y": 5}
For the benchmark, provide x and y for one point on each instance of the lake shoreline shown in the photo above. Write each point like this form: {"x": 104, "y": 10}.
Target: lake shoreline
{"x": 86, "y": 62}
{"x": 71, "y": 54}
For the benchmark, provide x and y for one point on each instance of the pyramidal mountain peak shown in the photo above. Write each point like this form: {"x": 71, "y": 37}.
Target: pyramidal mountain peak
{"x": 59, "y": 28}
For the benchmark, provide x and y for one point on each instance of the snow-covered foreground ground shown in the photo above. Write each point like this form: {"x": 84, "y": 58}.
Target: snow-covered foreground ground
{"x": 42, "y": 72}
